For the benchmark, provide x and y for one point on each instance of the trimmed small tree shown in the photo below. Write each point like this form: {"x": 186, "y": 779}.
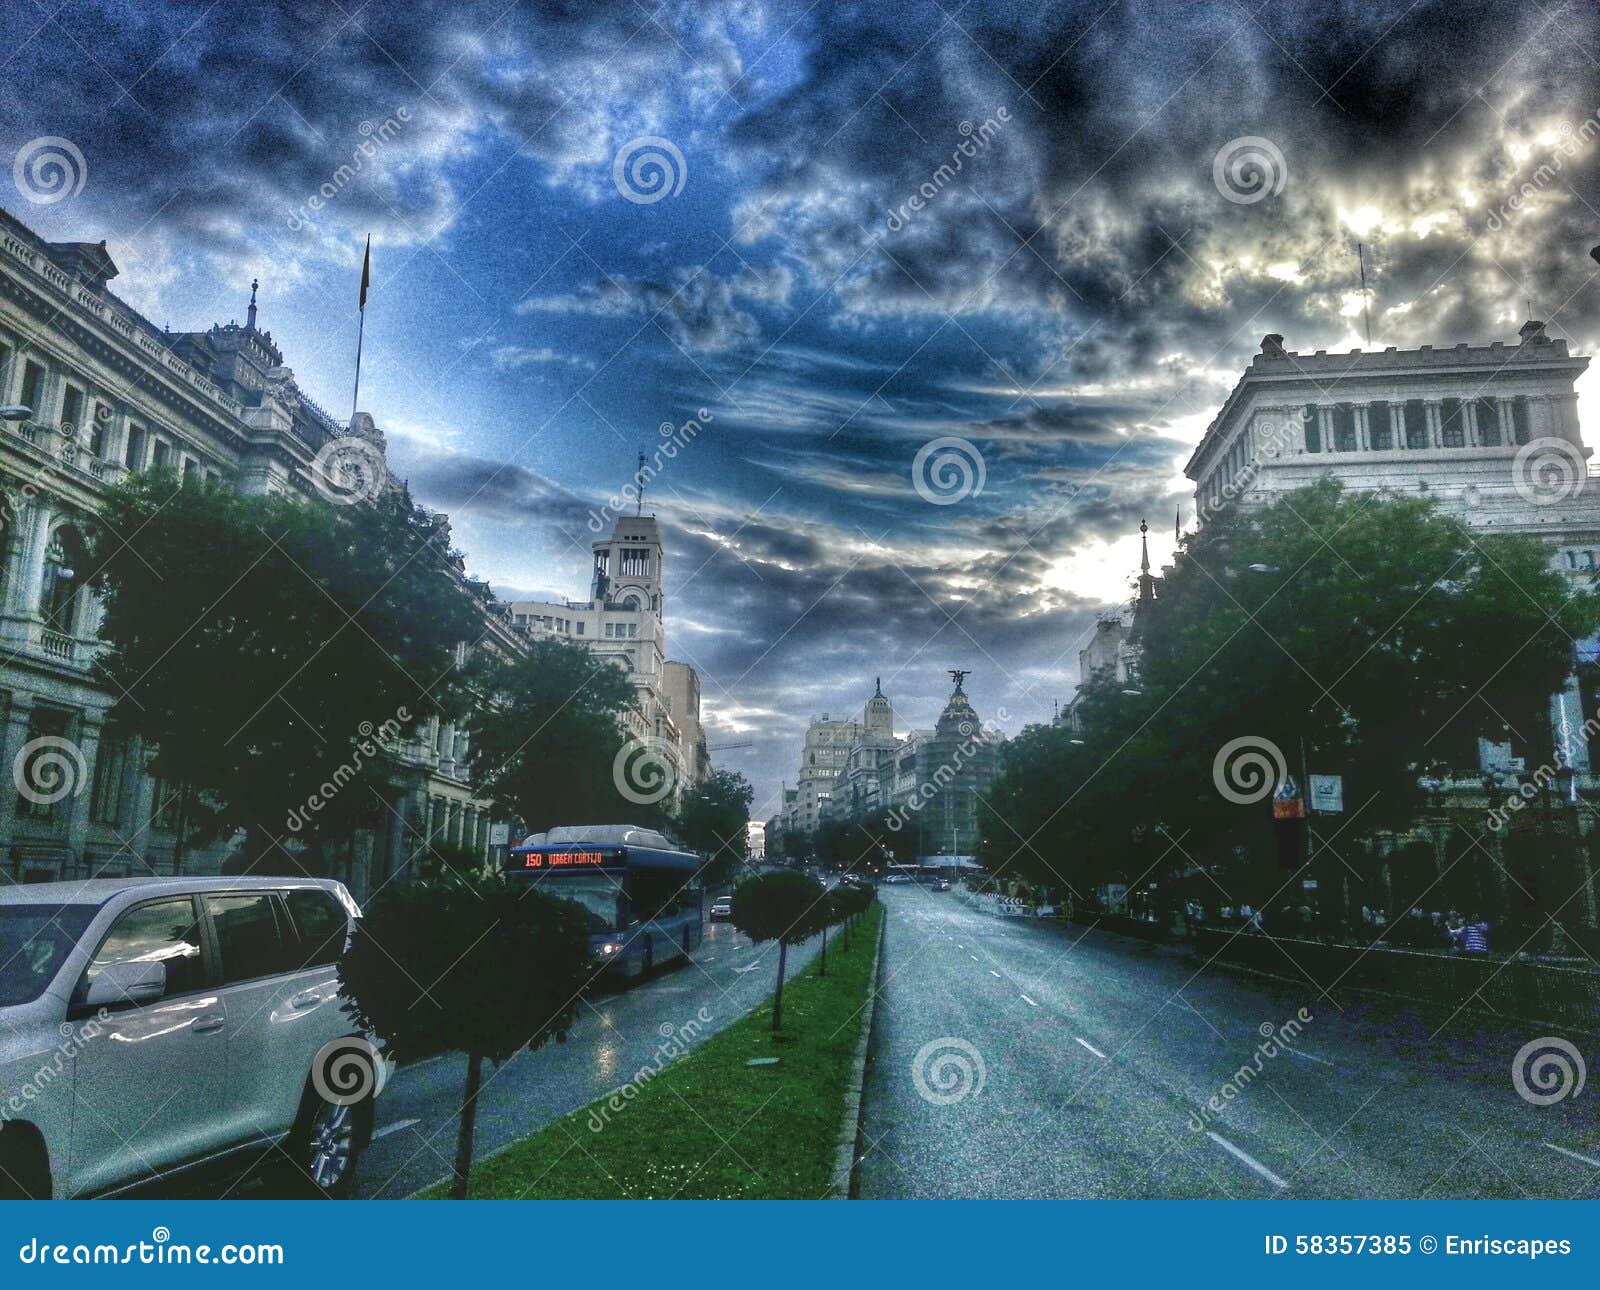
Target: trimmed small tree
{"x": 470, "y": 963}
{"x": 786, "y": 907}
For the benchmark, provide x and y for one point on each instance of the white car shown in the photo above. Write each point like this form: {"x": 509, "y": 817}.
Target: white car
{"x": 149, "y": 1024}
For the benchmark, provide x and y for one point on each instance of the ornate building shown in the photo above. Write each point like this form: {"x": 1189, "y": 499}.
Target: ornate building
{"x": 92, "y": 390}
{"x": 623, "y": 621}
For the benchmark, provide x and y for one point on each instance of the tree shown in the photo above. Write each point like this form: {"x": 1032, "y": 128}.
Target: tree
{"x": 786, "y": 907}
{"x": 268, "y": 645}
{"x": 712, "y": 819}
{"x": 548, "y": 739}
{"x": 467, "y": 962}
{"x": 1374, "y": 633}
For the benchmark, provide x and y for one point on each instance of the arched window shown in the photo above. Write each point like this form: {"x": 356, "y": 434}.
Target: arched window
{"x": 63, "y": 580}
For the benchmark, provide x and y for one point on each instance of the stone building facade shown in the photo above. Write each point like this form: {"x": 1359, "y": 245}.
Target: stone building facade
{"x": 93, "y": 390}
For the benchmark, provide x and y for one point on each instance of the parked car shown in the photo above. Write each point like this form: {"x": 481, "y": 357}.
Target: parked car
{"x": 893, "y": 878}
{"x": 152, "y": 1024}
{"x": 722, "y": 909}
{"x": 940, "y": 884}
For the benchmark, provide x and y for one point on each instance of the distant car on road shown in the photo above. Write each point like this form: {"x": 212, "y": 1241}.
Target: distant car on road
{"x": 722, "y": 909}
{"x": 894, "y": 878}
{"x": 150, "y": 1024}
{"x": 940, "y": 884}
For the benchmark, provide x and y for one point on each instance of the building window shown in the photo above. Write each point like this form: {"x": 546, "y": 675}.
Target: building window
{"x": 49, "y": 724}
{"x": 580, "y": 629}
{"x": 1380, "y": 428}
{"x": 1416, "y": 421}
{"x": 97, "y": 429}
{"x": 1488, "y": 423}
{"x": 1519, "y": 420}
{"x": 1452, "y": 424}
{"x": 163, "y": 457}
{"x": 63, "y": 580}
{"x": 105, "y": 800}
{"x": 1344, "y": 427}
{"x": 32, "y": 386}
{"x": 71, "y": 406}
{"x": 1312, "y": 431}
{"x": 133, "y": 457}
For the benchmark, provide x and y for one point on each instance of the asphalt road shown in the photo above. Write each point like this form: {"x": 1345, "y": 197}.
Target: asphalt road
{"x": 617, "y": 1034}
{"x": 1024, "y": 1058}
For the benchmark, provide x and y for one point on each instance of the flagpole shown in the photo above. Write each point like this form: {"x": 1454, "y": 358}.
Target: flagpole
{"x": 361, "y": 330}
{"x": 361, "y": 333}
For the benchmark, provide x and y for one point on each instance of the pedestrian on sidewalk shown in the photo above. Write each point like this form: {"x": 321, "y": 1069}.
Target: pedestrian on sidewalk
{"x": 1475, "y": 936}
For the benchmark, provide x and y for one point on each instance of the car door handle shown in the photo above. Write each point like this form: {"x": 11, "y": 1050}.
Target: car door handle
{"x": 307, "y": 999}
{"x": 209, "y": 1022}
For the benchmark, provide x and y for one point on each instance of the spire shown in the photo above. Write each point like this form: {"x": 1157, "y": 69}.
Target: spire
{"x": 1147, "y": 583}
{"x": 877, "y": 687}
{"x": 639, "y": 479}
{"x": 250, "y": 318}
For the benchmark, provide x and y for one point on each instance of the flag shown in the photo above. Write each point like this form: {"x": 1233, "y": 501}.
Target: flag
{"x": 366, "y": 273}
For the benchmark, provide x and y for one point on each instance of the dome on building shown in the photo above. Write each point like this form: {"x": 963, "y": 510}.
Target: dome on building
{"x": 959, "y": 716}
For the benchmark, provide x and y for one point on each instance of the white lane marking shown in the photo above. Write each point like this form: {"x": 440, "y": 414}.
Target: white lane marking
{"x": 960, "y": 946}
{"x": 749, "y": 967}
{"x": 393, "y": 1128}
{"x": 1588, "y": 1160}
{"x": 1029, "y": 1002}
{"x": 1246, "y": 1158}
{"x": 992, "y": 972}
{"x": 973, "y": 957}
{"x": 1092, "y": 1049}
{"x": 1321, "y": 1061}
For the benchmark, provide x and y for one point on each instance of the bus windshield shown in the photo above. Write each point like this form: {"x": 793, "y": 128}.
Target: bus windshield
{"x": 598, "y": 894}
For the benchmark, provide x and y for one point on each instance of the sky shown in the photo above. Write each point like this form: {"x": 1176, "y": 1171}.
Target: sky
{"x": 952, "y": 289}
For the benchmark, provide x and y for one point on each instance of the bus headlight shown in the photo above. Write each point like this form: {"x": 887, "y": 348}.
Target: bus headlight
{"x": 610, "y": 948}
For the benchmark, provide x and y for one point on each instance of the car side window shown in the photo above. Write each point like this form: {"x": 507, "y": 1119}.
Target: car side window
{"x": 164, "y": 931}
{"x": 249, "y": 940}
{"x": 322, "y": 924}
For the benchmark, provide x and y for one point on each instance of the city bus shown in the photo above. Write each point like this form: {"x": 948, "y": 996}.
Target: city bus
{"x": 643, "y": 895}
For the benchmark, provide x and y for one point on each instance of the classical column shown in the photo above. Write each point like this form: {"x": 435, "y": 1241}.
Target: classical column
{"x": 1508, "y": 422}
{"x": 81, "y": 801}
{"x": 1361, "y": 412}
{"x": 19, "y": 714}
{"x": 1325, "y": 429}
{"x": 1469, "y": 422}
{"x": 1397, "y": 424}
{"x": 133, "y": 814}
{"x": 32, "y": 588}
{"x": 1432, "y": 416}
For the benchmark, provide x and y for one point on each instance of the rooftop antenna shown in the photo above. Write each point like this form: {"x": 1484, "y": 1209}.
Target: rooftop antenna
{"x": 1366, "y": 310}
{"x": 640, "y": 477}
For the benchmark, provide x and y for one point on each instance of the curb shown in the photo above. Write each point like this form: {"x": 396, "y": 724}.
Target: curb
{"x": 844, "y": 1162}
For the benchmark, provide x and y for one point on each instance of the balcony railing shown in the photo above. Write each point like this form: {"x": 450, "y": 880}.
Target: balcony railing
{"x": 58, "y": 645}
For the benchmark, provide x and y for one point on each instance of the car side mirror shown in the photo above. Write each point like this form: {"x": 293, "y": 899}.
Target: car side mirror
{"x": 121, "y": 985}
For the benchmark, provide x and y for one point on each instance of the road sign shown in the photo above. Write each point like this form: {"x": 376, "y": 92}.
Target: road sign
{"x": 1327, "y": 794}
{"x": 499, "y": 835}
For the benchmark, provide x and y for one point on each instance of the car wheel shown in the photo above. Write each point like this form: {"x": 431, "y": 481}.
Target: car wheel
{"x": 24, "y": 1163}
{"x": 328, "y": 1141}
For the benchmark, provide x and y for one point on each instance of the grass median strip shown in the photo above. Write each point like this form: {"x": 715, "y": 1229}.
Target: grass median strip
{"x": 710, "y": 1126}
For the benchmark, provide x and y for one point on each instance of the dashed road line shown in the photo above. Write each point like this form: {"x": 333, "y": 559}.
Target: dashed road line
{"x": 1244, "y": 1157}
{"x": 393, "y": 1128}
{"x": 1321, "y": 1061}
{"x": 1029, "y": 1002}
{"x": 992, "y": 972}
{"x": 1092, "y": 1049}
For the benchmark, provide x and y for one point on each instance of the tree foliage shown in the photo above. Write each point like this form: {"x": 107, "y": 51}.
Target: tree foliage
{"x": 261, "y": 642}
{"x": 1362, "y": 635}
{"x": 713, "y": 818}
{"x": 545, "y": 739}
{"x": 469, "y": 962}
{"x": 782, "y": 906}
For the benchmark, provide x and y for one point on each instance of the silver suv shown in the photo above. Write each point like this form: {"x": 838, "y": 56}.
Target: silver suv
{"x": 149, "y": 1024}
